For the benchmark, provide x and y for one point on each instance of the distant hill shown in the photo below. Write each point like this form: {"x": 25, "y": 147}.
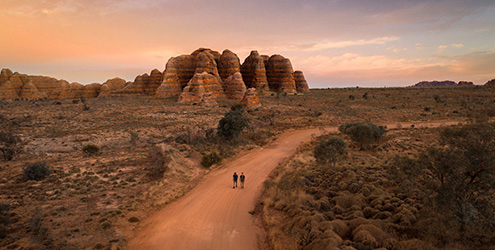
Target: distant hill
{"x": 490, "y": 83}
{"x": 442, "y": 84}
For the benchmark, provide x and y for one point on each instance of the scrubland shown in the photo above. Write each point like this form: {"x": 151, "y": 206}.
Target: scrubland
{"x": 150, "y": 151}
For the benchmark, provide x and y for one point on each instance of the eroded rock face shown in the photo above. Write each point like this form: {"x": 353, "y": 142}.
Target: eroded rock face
{"x": 91, "y": 90}
{"x": 30, "y": 92}
{"x": 178, "y": 72}
{"x": 253, "y": 72}
{"x": 251, "y": 100}
{"x": 490, "y": 83}
{"x": 215, "y": 54}
{"x": 200, "y": 84}
{"x": 301, "y": 84}
{"x": 280, "y": 74}
{"x": 5, "y": 75}
{"x": 73, "y": 90}
{"x": 7, "y": 91}
{"x": 207, "y": 100}
{"x": 234, "y": 87}
{"x": 112, "y": 85}
{"x": 228, "y": 64}
{"x": 465, "y": 83}
{"x": 155, "y": 79}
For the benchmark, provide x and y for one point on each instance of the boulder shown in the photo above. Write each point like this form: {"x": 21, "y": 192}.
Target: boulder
{"x": 112, "y": 85}
{"x": 5, "y": 75}
{"x": 490, "y": 83}
{"x": 251, "y": 100}
{"x": 200, "y": 84}
{"x": 253, "y": 72}
{"x": 280, "y": 74}
{"x": 228, "y": 64}
{"x": 178, "y": 71}
{"x": 234, "y": 87}
{"x": 301, "y": 84}
{"x": 207, "y": 100}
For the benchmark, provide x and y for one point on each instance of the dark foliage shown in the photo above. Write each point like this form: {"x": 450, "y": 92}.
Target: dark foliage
{"x": 36, "y": 171}
{"x": 365, "y": 134}
{"x": 4, "y": 219}
{"x": 209, "y": 159}
{"x": 91, "y": 149}
{"x": 329, "y": 151}
{"x": 233, "y": 123}
{"x": 159, "y": 164}
{"x": 10, "y": 145}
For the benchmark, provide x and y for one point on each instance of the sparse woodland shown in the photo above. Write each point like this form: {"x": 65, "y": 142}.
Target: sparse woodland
{"x": 108, "y": 163}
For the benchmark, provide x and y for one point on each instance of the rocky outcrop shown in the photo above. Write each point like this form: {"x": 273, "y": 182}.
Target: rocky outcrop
{"x": 228, "y": 64}
{"x": 250, "y": 99}
{"x": 490, "y": 83}
{"x": 435, "y": 84}
{"x": 30, "y": 92}
{"x": 178, "y": 71}
{"x": 253, "y": 72}
{"x": 154, "y": 81}
{"x": 301, "y": 84}
{"x": 280, "y": 74}
{"x": 73, "y": 90}
{"x": 234, "y": 87}
{"x": 215, "y": 54}
{"x": 200, "y": 84}
{"x": 143, "y": 84}
{"x": 465, "y": 83}
{"x": 112, "y": 85}
{"x": 5, "y": 75}
{"x": 91, "y": 90}
{"x": 7, "y": 91}
{"x": 207, "y": 100}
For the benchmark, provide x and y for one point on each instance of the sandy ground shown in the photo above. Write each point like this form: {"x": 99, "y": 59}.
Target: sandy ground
{"x": 214, "y": 215}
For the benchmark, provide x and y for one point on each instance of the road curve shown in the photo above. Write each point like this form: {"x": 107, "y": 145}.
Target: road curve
{"x": 214, "y": 215}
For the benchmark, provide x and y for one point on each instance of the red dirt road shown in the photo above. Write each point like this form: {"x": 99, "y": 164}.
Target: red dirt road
{"x": 214, "y": 215}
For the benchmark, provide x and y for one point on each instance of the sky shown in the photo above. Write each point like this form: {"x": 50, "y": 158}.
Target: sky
{"x": 336, "y": 43}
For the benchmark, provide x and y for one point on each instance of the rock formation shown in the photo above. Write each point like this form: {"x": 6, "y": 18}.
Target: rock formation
{"x": 435, "y": 84}
{"x": 5, "y": 75}
{"x": 154, "y": 81}
{"x": 178, "y": 72}
{"x": 301, "y": 84}
{"x": 228, "y": 64}
{"x": 7, "y": 91}
{"x": 280, "y": 74}
{"x": 253, "y": 72}
{"x": 200, "y": 84}
{"x": 112, "y": 85}
{"x": 490, "y": 83}
{"x": 29, "y": 91}
{"x": 91, "y": 90}
{"x": 465, "y": 83}
{"x": 207, "y": 100}
{"x": 251, "y": 100}
{"x": 234, "y": 87}
{"x": 215, "y": 54}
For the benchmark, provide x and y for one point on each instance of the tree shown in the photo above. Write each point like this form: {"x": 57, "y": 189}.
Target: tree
{"x": 36, "y": 171}
{"x": 365, "y": 134}
{"x": 10, "y": 145}
{"x": 329, "y": 151}
{"x": 233, "y": 123}
{"x": 458, "y": 177}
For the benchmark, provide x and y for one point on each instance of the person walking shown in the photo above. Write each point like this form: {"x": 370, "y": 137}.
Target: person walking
{"x": 235, "y": 180}
{"x": 242, "y": 177}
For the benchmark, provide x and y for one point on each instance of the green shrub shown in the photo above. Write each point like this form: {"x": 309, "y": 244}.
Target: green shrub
{"x": 328, "y": 151}
{"x": 10, "y": 145}
{"x": 133, "y": 219}
{"x": 36, "y": 171}
{"x": 159, "y": 163}
{"x": 91, "y": 149}
{"x": 365, "y": 134}
{"x": 209, "y": 159}
{"x": 233, "y": 123}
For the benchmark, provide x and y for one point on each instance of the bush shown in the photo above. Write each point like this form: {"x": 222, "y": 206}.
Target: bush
{"x": 10, "y": 145}
{"x": 328, "y": 151}
{"x": 91, "y": 149}
{"x": 159, "y": 162}
{"x": 232, "y": 124}
{"x": 365, "y": 134}
{"x": 36, "y": 171}
{"x": 209, "y": 159}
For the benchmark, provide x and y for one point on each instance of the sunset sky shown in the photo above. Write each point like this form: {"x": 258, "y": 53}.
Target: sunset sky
{"x": 336, "y": 43}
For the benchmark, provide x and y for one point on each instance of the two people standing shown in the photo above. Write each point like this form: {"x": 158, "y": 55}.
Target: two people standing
{"x": 242, "y": 177}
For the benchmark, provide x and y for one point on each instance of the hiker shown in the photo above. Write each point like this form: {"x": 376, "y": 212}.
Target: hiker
{"x": 235, "y": 180}
{"x": 242, "y": 177}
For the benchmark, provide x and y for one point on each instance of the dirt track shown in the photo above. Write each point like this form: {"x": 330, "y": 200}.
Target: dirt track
{"x": 214, "y": 215}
